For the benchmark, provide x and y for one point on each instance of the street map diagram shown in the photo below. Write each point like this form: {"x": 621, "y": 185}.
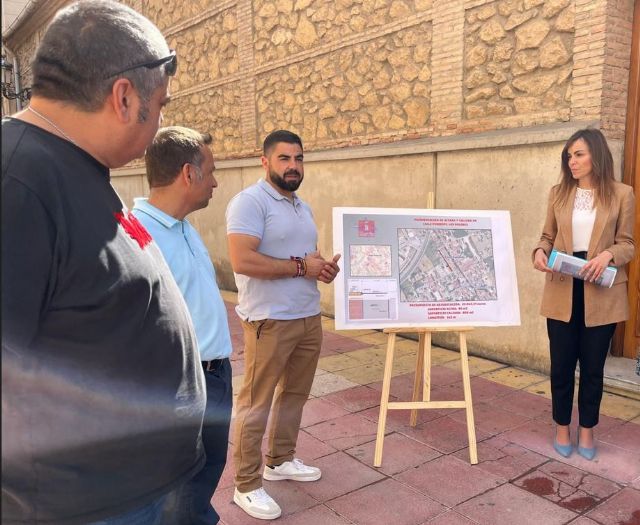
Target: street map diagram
{"x": 446, "y": 265}
{"x": 370, "y": 260}
{"x": 432, "y": 268}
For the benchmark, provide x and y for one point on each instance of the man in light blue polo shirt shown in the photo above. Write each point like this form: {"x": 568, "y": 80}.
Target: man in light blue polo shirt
{"x": 272, "y": 248}
{"x": 180, "y": 173}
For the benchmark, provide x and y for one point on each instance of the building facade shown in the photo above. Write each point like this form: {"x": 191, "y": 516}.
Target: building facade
{"x": 400, "y": 103}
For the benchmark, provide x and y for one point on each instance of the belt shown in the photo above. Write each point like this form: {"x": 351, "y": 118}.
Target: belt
{"x": 210, "y": 366}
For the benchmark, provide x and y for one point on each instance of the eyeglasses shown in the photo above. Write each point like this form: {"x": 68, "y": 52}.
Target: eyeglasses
{"x": 170, "y": 63}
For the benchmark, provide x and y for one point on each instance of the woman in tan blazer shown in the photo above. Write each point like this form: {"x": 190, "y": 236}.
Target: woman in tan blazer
{"x": 589, "y": 215}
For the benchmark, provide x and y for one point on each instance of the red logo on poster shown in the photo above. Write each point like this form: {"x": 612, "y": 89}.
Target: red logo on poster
{"x": 366, "y": 228}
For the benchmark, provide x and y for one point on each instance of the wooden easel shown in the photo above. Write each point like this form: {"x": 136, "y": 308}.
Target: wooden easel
{"x": 423, "y": 379}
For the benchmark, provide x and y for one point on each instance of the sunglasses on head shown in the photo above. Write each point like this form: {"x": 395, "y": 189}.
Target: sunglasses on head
{"x": 170, "y": 63}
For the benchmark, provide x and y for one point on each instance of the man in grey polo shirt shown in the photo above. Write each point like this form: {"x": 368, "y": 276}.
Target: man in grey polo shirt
{"x": 272, "y": 247}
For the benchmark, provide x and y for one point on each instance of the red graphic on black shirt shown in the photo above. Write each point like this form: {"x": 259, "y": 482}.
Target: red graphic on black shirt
{"x": 133, "y": 227}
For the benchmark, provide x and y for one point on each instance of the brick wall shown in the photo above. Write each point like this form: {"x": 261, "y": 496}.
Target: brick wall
{"x": 615, "y": 76}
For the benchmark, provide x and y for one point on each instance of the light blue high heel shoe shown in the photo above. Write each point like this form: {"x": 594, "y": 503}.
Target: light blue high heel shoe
{"x": 586, "y": 453}
{"x": 563, "y": 450}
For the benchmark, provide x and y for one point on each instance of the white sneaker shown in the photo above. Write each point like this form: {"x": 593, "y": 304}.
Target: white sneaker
{"x": 257, "y": 504}
{"x": 295, "y": 470}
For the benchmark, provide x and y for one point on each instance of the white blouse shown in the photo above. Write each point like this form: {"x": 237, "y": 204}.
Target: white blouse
{"x": 584, "y": 215}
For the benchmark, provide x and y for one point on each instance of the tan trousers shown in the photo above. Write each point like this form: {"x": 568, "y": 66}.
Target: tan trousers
{"x": 280, "y": 358}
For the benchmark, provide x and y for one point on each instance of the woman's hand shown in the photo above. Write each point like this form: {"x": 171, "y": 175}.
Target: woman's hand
{"x": 540, "y": 261}
{"x": 594, "y": 268}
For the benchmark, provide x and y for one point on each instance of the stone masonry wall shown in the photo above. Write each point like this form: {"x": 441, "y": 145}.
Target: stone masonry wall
{"x": 352, "y": 72}
{"x": 221, "y": 106}
{"x": 374, "y": 86}
{"x": 518, "y": 58}
{"x": 213, "y": 51}
{"x": 285, "y": 27}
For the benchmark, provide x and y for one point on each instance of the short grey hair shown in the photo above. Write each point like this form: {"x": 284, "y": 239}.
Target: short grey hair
{"x": 85, "y": 42}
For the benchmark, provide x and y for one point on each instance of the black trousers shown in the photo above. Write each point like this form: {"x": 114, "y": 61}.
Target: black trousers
{"x": 570, "y": 343}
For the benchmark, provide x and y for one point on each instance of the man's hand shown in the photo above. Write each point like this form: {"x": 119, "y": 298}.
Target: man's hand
{"x": 330, "y": 270}
{"x": 594, "y": 268}
{"x": 319, "y": 269}
{"x": 315, "y": 264}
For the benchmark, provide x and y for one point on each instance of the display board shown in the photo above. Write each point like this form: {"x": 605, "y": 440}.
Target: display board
{"x": 409, "y": 267}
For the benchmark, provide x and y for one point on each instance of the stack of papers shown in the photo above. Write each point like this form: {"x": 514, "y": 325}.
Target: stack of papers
{"x": 570, "y": 265}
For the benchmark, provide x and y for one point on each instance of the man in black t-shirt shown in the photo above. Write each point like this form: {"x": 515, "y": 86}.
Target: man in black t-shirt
{"x": 102, "y": 388}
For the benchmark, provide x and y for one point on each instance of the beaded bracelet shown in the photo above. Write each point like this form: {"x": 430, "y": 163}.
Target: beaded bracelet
{"x": 301, "y": 266}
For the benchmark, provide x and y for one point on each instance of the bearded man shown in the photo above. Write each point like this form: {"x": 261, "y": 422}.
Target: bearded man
{"x": 273, "y": 251}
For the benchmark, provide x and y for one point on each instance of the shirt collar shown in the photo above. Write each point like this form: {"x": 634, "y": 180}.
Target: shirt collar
{"x": 142, "y": 204}
{"x": 273, "y": 192}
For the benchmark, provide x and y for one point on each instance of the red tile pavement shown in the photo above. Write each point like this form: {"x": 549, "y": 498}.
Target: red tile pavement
{"x": 400, "y": 453}
{"x": 356, "y": 399}
{"x": 525, "y": 404}
{"x": 490, "y": 419}
{"x": 426, "y": 478}
{"x": 594, "y": 485}
{"x": 344, "y": 432}
{"x": 449, "y": 480}
{"x": 621, "y": 509}
{"x": 503, "y": 458}
{"x": 625, "y": 436}
{"x": 448, "y": 387}
{"x": 319, "y": 515}
{"x": 402, "y": 385}
{"x": 552, "y": 489}
{"x": 386, "y": 502}
{"x": 449, "y": 518}
{"x": 341, "y": 474}
{"x": 613, "y": 463}
{"x": 326, "y": 352}
{"x": 319, "y": 410}
{"x": 510, "y": 505}
{"x": 582, "y": 520}
{"x": 339, "y": 343}
{"x": 444, "y": 434}
{"x": 226, "y": 480}
{"x": 536, "y": 435}
{"x": 481, "y": 390}
{"x": 311, "y": 448}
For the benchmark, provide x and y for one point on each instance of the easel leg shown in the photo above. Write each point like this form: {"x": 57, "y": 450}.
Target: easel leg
{"x": 384, "y": 399}
{"x": 473, "y": 452}
{"x": 418, "y": 378}
{"x": 426, "y": 387}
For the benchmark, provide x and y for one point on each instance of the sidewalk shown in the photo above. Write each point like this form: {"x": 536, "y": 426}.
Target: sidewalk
{"x": 425, "y": 475}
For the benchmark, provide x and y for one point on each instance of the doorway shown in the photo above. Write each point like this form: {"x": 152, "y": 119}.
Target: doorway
{"x": 626, "y": 342}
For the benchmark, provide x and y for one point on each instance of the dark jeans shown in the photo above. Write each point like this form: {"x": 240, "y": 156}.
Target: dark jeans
{"x": 570, "y": 343}
{"x": 191, "y": 503}
{"x": 147, "y": 515}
